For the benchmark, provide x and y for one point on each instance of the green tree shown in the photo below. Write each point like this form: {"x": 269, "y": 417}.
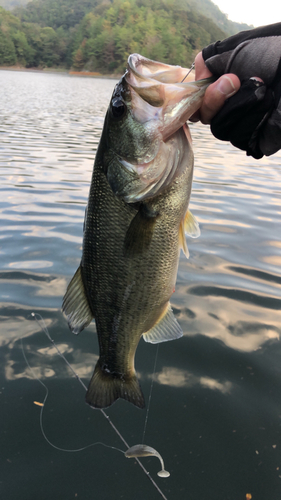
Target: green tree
{"x": 24, "y": 52}
{"x": 49, "y": 56}
{"x": 78, "y": 59}
{"x": 7, "y": 50}
{"x": 100, "y": 34}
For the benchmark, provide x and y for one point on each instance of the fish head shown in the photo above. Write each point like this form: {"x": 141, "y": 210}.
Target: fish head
{"x": 144, "y": 150}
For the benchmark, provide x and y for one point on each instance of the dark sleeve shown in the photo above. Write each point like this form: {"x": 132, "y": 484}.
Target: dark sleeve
{"x": 255, "y": 109}
{"x": 248, "y": 53}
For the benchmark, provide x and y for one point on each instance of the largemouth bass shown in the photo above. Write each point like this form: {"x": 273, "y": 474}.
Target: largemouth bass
{"x": 135, "y": 224}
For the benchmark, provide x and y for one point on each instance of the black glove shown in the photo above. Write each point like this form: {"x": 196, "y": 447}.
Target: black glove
{"x": 251, "y": 119}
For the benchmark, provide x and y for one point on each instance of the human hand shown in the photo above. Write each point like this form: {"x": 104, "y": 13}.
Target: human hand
{"x": 216, "y": 94}
{"x": 238, "y": 119}
{"x": 251, "y": 118}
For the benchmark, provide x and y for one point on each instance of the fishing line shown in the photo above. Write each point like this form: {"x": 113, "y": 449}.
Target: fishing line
{"x": 38, "y": 318}
{"x": 45, "y": 330}
{"x": 189, "y": 71}
{"x": 150, "y": 393}
{"x": 67, "y": 450}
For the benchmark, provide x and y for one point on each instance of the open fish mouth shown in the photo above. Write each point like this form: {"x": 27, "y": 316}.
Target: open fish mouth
{"x": 145, "y": 68}
{"x": 160, "y": 103}
{"x": 162, "y": 85}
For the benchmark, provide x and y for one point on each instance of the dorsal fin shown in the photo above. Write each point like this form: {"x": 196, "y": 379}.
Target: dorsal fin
{"x": 166, "y": 328}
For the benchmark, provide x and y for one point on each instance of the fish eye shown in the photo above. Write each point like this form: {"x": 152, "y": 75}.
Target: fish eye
{"x": 118, "y": 108}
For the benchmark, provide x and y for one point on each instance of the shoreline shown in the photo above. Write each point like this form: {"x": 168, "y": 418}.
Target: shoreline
{"x": 86, "y": 74}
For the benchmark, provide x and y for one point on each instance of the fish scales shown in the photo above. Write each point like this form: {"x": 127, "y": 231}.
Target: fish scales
{"x": 132, "y": 239}
{"x": 128, "y": 293}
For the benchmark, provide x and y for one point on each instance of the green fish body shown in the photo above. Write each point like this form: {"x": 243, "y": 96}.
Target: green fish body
{"x": 133, "y": 232}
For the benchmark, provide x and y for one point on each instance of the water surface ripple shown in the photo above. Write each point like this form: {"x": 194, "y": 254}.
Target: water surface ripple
{"x": 215, "y": 413}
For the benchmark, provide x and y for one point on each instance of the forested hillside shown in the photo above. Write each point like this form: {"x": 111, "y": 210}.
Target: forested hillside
{"x": 98, "y": 35}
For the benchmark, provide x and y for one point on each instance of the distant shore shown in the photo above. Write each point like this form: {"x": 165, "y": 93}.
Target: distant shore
{"x": 86, "y": 74}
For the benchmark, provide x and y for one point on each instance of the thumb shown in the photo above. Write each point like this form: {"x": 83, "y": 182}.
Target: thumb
{"x": 216, "y": 95}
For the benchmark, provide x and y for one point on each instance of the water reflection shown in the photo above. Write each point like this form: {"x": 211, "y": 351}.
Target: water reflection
{"x": 45, "y": 362}
{"x": 182, "y": 378}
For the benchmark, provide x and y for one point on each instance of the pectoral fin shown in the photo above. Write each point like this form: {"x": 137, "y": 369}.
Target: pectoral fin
{"x": 75, "y": 304}
{"x": 166, "y": 328}
{"x": 140, "y": 232}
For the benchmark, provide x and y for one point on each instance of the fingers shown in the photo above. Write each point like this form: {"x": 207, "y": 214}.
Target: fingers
{"x": 201, "y": 70}
{"x": 216, "y": 93}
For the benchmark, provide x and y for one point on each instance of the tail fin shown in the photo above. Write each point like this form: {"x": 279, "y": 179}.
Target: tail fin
{"x": 104, "y": 389}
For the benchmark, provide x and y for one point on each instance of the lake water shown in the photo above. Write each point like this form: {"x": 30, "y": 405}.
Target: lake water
{"x": 215, "y": 413}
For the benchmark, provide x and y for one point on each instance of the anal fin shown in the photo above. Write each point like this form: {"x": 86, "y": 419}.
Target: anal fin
{"x": 75, "y": 304}
{"x": 166, "y": 328}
